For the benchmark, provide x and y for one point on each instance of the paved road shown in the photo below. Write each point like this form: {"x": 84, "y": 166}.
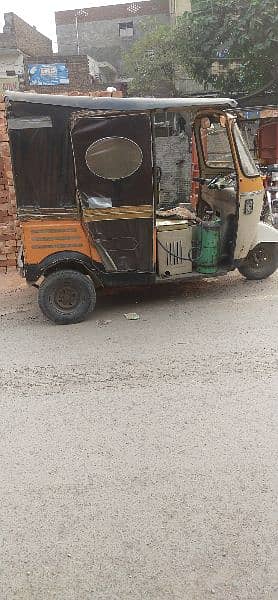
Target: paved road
{"x": 138, "y": 458}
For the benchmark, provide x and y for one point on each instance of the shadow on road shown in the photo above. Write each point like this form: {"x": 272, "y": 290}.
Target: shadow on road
{"x": 203, "y": 288}
{"x": 17, "y": 297}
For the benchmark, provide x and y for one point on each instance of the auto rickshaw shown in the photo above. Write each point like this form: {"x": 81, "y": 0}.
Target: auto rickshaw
{"x": 87, "y": 175}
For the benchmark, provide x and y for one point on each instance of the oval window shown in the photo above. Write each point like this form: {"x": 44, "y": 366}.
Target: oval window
{"x": 114, "y": 157}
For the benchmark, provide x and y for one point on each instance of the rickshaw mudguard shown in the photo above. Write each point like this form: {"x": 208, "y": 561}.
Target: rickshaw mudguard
{"x": 264, "y": 233}
{"x": 66, "y": 259}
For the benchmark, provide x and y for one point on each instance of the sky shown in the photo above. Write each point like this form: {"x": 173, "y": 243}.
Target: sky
{"x": 41, "y": 12}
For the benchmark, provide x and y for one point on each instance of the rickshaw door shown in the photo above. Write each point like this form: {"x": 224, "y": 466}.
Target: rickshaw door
{"x": 113, "y": 162}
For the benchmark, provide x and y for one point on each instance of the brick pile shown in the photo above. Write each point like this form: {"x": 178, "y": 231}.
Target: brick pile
{"x": 9, "y": 226}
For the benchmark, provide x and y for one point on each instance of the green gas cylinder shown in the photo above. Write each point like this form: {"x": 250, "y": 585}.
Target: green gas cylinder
{"x": 208, "y": 244}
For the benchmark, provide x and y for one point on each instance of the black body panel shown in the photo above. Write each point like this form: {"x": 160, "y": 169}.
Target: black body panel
{"x": 133, "y": 190}
{"x": 75, "y": 260}
{"x": 42, "y": 159}
{"x": 129, "y": 242}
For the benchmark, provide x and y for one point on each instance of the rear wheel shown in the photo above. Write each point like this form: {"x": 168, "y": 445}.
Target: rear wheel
{"x": 67, "y": 297}
{"x": 260, "y": 262}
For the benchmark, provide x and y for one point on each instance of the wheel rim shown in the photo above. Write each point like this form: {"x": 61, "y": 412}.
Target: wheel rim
{"x": 66, "y": 298}
{"x": 260, "y": 257}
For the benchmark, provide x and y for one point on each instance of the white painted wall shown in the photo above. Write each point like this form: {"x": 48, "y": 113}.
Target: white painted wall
{"x": 93, "y": 67}
{"x": 11, "y": 61}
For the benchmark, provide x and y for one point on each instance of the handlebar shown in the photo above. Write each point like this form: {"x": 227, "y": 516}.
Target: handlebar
{"x": 208, "y": 182}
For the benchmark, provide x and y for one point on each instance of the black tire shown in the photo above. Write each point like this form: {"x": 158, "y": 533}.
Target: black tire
{"x": 67, "y": 297}
{"x": 260, "y": 262}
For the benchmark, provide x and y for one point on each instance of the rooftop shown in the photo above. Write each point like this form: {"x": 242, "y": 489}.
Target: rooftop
{"x": 121, "y": 104}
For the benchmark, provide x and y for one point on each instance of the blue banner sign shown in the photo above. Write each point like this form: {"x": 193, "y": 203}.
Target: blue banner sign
{"x": 54, "y": 74}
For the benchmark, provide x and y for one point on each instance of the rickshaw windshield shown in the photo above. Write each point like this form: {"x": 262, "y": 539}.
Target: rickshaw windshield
{"x": 215, "y": 144}
{"x": 246, "y": 161}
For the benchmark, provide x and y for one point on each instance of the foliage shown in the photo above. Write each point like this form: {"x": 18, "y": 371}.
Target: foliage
{"x": 241, "y": 35}
{"x": 150, "y": 63}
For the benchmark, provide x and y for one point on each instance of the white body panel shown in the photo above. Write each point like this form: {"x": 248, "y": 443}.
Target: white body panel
{"x": 247, "y": 223}
{"x": 264, "y": 233}
{"x": 174, "y": 247}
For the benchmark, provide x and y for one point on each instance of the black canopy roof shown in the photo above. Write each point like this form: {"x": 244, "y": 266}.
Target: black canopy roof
{"x": 127, "y": 104}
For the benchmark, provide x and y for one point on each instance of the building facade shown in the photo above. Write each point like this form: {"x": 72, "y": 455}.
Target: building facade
{"x": 11, "y": 69}
{"x": 18, "y": 41}
{"x": 107, "y": 32}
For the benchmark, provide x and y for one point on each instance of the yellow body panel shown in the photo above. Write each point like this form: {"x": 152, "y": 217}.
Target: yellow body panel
{"x": 42, "y": 238}
{"x": 249, "y": 188}
{"x": 251, "y": 184}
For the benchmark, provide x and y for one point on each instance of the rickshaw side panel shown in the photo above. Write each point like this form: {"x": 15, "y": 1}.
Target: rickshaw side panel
{"x": 123, "y": 230}
{"x": 265, "y": 233}
{"x": 41, "y": 157}
{"x": 250, "y": 202}
{"x": 45, "y": 238}
{"x": 247, "y": 223}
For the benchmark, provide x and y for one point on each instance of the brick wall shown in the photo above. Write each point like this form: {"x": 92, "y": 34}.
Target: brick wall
{"x": 79, "y": 76}
{"x": 26, "y": 38}
{"x": 7, "y": 40}
{"x": 9, "y": 226}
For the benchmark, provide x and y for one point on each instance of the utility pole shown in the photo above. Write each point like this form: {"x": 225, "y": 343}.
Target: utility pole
{"x": 79, "y": 13}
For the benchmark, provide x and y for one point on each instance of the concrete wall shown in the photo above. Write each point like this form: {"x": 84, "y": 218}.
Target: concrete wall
{"x": 11, "y": 60}
{"x": 98, "y": 30}
{"x": 101, "y": 39}
{"x": 7, "y": 40}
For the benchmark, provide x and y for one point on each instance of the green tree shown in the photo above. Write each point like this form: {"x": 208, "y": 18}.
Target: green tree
{"x": 230, "y": 44}
{"x": 150, "y": 63}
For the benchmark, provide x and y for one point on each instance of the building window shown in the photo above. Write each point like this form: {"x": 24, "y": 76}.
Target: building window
{"x": 126, "y": 29}
{"x": 10, "y": 73}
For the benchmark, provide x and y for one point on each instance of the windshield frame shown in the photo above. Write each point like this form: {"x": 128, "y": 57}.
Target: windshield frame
{"x": 240, "y": 155}
{"x": 222, "y": 168}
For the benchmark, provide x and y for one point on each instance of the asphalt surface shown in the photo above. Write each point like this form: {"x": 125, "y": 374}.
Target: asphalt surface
{"x": 138, "y": 458}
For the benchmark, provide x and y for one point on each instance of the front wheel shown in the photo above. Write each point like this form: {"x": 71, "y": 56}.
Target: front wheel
{"x": 260, "y": 262}
{"x": 67, "y": 297}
